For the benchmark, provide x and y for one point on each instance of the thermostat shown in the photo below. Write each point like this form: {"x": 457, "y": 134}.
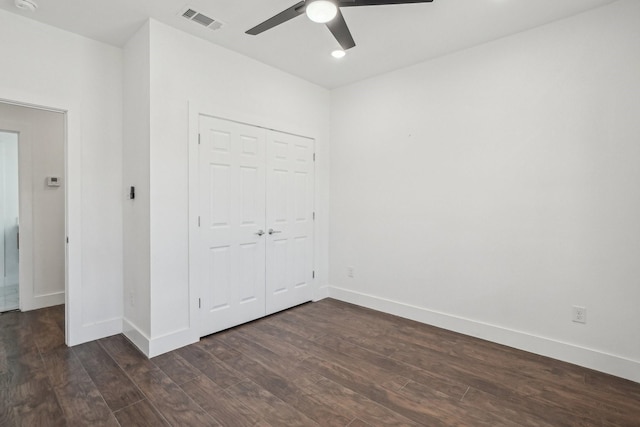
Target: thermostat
{"x": 53, "y": 181}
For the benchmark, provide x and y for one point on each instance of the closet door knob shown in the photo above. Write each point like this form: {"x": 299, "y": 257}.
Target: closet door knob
{"x": 260, "y": 232}
{"x": 272, "y": 231}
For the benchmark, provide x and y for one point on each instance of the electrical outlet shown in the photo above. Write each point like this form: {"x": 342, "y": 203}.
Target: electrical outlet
{"x": 350, "y": 272}
{"x": 132, "y": 299}
{"x": 579, "y": 314}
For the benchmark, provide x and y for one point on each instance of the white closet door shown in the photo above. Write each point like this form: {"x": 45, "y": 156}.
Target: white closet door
{"x": 231, "y": 252}
{"x": 290, "y": 173}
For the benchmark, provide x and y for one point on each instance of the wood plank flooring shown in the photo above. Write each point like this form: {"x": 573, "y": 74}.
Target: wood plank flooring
{"x": 319, "y": 364}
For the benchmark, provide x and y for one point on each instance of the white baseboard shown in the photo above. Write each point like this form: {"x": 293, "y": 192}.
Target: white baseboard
{"x": 589, "y": 358}
{"x": 152, "y": 347}
{"x": 42, "y": 301}
{"x": 321, "y": 293}
{"x": 95, "y": 331}
{"x": 136, "y": 336}
{"x": 171, "y": 341}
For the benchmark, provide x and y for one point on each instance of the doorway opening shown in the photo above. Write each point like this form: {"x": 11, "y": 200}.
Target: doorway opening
{"x": 32, "y": 207}
{"x": 9, "y": 222}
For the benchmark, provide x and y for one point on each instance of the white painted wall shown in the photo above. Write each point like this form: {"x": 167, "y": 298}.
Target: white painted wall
{"x": 137, "y": 127}
{"x": 46, "y": 66}
{"x": 490, "y": 190}
{"x": 185, "y": 69}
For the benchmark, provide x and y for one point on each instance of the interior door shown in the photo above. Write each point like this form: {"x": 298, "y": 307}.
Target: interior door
{"x": 231, "y": 248}
{"x": 290, "y": 211}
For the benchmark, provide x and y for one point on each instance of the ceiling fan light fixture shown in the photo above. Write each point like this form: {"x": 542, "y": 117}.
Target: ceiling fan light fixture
{"x": 321, "y": 11}
{"x": 338, "y": 53}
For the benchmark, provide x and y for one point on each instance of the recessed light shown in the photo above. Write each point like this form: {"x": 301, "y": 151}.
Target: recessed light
{"x": 338, "y": 53}
{"x": 29, "y": 5}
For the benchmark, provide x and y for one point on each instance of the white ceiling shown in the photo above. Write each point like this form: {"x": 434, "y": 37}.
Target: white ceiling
{"x": 387, "y": 37}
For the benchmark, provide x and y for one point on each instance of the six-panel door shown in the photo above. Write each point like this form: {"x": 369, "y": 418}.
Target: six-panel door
{"x": 231, "y": 254}
{"x": 255, "y": 240}
{"x": 289, "y": 220}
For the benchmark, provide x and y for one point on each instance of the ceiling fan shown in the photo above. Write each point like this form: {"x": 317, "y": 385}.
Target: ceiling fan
{"x": 326, "y": 12}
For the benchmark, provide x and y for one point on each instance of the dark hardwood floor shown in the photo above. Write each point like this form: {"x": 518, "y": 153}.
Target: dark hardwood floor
{"x": 326, "y": 363}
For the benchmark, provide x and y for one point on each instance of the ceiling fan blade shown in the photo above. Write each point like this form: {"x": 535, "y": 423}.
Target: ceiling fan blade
{"x": 339, "y": 29}
{"x": 349, "y": 3}
{"x": 284, "y": 16}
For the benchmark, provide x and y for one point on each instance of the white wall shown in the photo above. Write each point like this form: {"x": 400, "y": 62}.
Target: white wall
{"x": 137, "y": 127}
{"x": 45, "y": 66}
{"x": 490, "y": 190}
{"x": 186, "y": 69}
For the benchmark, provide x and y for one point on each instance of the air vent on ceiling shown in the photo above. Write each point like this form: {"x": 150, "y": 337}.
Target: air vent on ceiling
{"x": 200, "y": 18}
{"x": 189, "y": 13}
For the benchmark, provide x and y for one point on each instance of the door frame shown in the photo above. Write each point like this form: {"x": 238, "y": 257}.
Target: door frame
{"x": 195, "y": 110}
{"x": 72, "y": 215}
